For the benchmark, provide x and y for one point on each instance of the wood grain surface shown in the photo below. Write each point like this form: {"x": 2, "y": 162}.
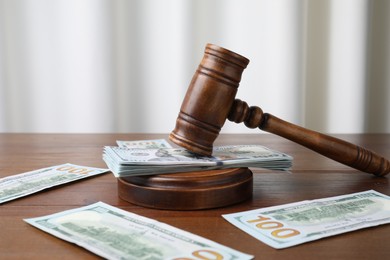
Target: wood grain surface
{"x": 312, "y": 176}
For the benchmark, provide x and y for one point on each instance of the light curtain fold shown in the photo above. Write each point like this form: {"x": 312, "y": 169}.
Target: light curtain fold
{"x": 124, "y": 66}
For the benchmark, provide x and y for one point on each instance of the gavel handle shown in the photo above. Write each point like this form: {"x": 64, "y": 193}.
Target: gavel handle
{"x": 336, "y": 149}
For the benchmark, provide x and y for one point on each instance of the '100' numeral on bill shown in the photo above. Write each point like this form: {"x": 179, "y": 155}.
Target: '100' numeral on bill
{"x": 275, "y": 228}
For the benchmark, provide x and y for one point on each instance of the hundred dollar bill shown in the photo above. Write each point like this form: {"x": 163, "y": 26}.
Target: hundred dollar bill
{"x": 296, "y": 223}
{"x": 130, "y": 162}
{"x": 117, "y": 234}
{"x": 20, "y": 185}
{"x": 147, "y": 144}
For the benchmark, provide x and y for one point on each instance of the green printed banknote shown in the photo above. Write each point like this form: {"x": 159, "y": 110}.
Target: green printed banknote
{"x": 117, "y": 234}
{"x": 296, "y": 223}
{"x": 124, "y": 161}
{"x": 20, "y": 185}
{"x": 144, "y": 144}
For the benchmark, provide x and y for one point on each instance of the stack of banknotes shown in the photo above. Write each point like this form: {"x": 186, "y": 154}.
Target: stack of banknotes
{"x": 159, "y": 157}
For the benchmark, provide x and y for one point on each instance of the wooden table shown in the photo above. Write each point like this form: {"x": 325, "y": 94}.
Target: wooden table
{"x": 313, "y": 176}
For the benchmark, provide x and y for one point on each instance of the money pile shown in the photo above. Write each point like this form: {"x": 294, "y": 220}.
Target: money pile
{"x": 125, "y": 160}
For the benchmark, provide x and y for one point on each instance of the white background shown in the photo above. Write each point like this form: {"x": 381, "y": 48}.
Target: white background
{"x": 124, "y": 66}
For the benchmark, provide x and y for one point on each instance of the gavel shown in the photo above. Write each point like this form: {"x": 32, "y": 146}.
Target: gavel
{"x": 210, "y": 100}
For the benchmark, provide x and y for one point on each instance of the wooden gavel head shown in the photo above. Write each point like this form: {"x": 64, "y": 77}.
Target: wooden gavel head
{"x": 209, "y": 99}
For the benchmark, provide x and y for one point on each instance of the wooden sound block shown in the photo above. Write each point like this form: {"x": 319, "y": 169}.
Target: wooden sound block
{"x": 189, "y": 190}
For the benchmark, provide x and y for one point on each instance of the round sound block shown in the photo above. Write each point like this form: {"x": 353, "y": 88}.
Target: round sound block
{"x": 189, "y": 190}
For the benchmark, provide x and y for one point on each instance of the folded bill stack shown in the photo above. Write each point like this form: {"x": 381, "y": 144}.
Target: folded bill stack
{"x": 151, "y": 157}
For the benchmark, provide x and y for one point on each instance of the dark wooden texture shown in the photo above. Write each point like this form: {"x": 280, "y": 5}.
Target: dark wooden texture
{"x": 312, "y": 177}
{"x": 188, "y": 191}
{"x": 334, "y": 148}
{"x": 210, "y": 99}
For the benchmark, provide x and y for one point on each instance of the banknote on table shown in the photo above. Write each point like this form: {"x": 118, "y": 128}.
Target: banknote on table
{"x": 124, "y": 161}
{"x": 24, "y": 184}
{"x": 296, "y": 223}
{"x": 117, "y": 234}
{"x": 20, "y": 185}
{"x": 147, "y": 144}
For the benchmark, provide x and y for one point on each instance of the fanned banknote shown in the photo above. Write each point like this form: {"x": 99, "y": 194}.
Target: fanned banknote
{"x": 20, "y": 185}
{"x": 24, "y": 184}
{"x": 147, "y": 144}
{"x": 117, "y": 234}
{"x": 124, "y": 161}
{"x": 296, "y": 223}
